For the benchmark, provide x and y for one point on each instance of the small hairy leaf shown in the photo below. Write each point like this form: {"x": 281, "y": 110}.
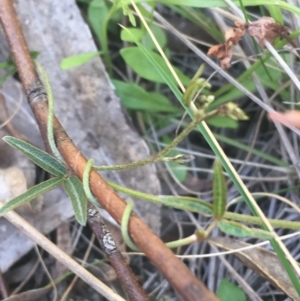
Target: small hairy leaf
{"x": 74, "y": 189}
{"x": 78, "y": 60}
{"x": 219, "y": 191}
{"x": 222, "y": 122}
{"x": 31, "y": 194}
{"x": 240, "y": 230}
{"x": 187, "y": 203}
{"x": 39, "y": 157}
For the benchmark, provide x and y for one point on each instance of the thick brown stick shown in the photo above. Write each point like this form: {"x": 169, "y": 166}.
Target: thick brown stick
{"x": 180, "y": 277}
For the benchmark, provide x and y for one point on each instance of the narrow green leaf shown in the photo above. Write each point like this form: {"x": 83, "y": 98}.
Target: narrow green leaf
{"x": 97, "y": 14}
{"x": 74, "y": 189}
{"x": 187, "y": 203}
{"x": 39, "y": 157}
{"x": 136, "y": 98}
{"x": 229, "y": 291}
{"x": 223, "y": 122}
{"x": 78, "y": 60}
{"x": 276, "y": 14}
{"x": 219, "y": 191}
{"x": 240, "y": 230}
{"x": 31, "y": 194}
{"x": 137, "y": 61}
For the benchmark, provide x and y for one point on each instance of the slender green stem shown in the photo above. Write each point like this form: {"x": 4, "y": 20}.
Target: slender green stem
{"x": 160, "y": 155}
{"x": 228, "y": 215}
{"x": 182, "y": 242}
{"x": 124, "y": 227}
{"x": 50, "y": 134}
{"x": 276, "y": 223}
{"x": 86, "y": 183}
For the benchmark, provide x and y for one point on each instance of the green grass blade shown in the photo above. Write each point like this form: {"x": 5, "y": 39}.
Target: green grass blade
{"x": 222, "y": 3}
{"x": 254, "y": 151}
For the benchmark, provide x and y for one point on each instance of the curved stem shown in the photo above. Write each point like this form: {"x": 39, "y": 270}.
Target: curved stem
{"x": 160, "y": 155}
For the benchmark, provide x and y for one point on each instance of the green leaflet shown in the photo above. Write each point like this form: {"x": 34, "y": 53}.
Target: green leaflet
{"x": 39, "y": 157}
{"x": 78, "y": 60}
{"x": 31, "y": 194}
{"x": 74, "y": 189}
{"x": 229, "y": 291}
{"x": 240, "y": 230}
{"x": 187, "y": 203}
{"x": 219, "y": 191}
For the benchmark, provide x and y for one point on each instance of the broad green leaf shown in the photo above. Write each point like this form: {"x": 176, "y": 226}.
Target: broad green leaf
{"x": 223, "y": 122}
{"x": 240, "y": 230}
{"x": 187, "y": 203}
{"x": 229, "y": 291}
{"x": 97, "y": 14}
{"x": 169, "y": 80}
{"x": 31, "y": 194}
{"x": 39, "y": 157}
{"x": 74, "y": 189}
{"x": 78, "y": 60}
{"x": 132, "y": 34}
{"x": 136, "y": 60}
{"x": 219, "y": 191}
{"x": 159, "y": 35}
{"x": 136, "y": 98}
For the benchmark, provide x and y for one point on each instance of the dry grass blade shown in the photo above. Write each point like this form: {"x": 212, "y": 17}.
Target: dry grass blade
{"x": 262, "y": 261}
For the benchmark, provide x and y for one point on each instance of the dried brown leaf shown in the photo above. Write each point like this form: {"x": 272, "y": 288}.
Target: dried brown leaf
{"x": 233, "y": 35}
{"x": 222, "y": 52}
{"x": 266, "y": 29}
{"x": 262, "y": 261}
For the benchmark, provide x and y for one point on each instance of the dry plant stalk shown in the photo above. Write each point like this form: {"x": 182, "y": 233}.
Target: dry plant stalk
{"x": 185, "y": 283}
{"x": 108, "y": 245}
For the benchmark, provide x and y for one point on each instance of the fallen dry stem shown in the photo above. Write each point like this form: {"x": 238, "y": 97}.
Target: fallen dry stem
{"x": 61, "y": 256}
